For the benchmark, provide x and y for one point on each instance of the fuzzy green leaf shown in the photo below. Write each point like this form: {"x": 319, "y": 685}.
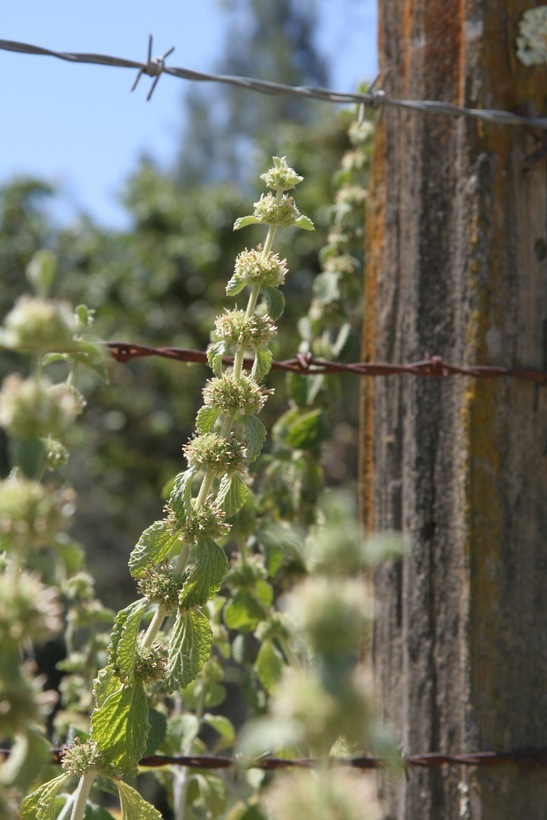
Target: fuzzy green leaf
{"x": 206, "y": 575}
{"x": 189, "y": 648}
{"x": 181, "y": 496}
{"x": 243, "y": 221}
{"x": 269, "y": 665}
{"x": 205, "y": 419}
{"x": 40, "y": 804}
{"x": 275, "y": 302}
{"x": 305, "y": 223}
{"x": 155, "y": 543}
{"x": 119, "y": 723}
{"x": 256, "y": 434}
{"x": 135, "y": 807}
{"x": 232, "y": 494}
{"x": 123, "y": 640}
{"x": 157, "y": 732}
{"x": 234, "y": 286}
{"x": 262, "y": 364}
{"x": 214, "y": 357}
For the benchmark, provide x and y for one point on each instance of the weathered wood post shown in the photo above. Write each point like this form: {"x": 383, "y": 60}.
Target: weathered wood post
{"x": 457, "y": 266}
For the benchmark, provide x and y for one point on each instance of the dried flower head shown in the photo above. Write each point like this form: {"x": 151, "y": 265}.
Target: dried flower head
{"x": 233, "y": 396}
{"x": 35, "y": 408}
{"x": 248, "y": 332}
{"x": 39, "y": 324}
{"x": 31, "y": 514}
{"x": 257, "y": 268}
{"x": 29, "y": 611}
{"x": 281, "y": 177}
{"x": 219, "y": 455}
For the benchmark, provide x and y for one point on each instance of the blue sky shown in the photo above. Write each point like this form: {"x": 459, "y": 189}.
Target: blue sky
{"x": 78, "y": 125}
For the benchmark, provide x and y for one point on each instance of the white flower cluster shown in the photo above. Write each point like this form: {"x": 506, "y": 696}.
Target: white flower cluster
{"x": 532, "y": 41}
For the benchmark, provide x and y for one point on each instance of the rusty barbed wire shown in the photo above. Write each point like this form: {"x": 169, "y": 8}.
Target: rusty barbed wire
{"x": 531, "y": 757}
{"x": 306, "y": 365}
{"x": 155, "y": 67}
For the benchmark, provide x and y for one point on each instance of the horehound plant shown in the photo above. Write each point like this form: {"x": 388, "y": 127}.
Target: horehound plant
{"x": 163, "y": 639}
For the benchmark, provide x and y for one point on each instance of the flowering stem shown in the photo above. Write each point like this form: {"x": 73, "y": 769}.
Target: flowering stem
{"x": 82, "y": 794}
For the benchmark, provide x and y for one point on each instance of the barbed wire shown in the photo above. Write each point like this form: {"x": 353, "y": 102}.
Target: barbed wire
{"x": 155, "y": 66}
{"x": 531, "y": 757}
{"x": 306, "y": 365}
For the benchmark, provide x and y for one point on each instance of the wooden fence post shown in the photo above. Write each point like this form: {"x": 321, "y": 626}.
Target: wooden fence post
{"x": 457, "y": 266}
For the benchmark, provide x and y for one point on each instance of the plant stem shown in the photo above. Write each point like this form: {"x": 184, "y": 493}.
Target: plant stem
{"x": 154, "y": 627}
{"x": 84, "y": 787}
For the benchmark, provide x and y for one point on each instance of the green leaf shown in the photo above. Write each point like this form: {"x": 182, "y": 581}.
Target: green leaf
{"x": 189, "y": 648}
{"x": 269, "y": 665}
{"x": 262, "y": 364}
{"x": 245, "y": 610}
{"x": 40, "y": 805}
{"x": 28, "y": 454}
{"x": 232, "y": 494}
{"x": 223, "y": 726}
{"x": 212, "y": 794}
{"x": 181, "y": 496}
{"x": 157, "y": 733}
{"x": 234, "y": 286}
{"x": 214, "y": 357}
{"x": 123, "y": 640}
{"x": 308, "y": 430}
{"x": 205, "y": 419}
{"x": 135, "y": 807}
{"x": 243, "y": 221}
{"x": 305, "y": 223}
{"x": 206, "y": 575}
{"x": 275, "y": 302}
{"x": 256, "y": 435}
{"x": 119, "y": 723}
{"x": 153, "y": 546}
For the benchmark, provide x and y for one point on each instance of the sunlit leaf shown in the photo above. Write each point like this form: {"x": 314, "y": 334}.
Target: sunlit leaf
{"x": 189, "y": 648}
{"x": 275, "y": 302}
{"x": 119, "y": 725}
{"x": 155, "y": 543}
{"x": 206, "y": 575}
{"x": 205, "y": 419}
{"x": 232, "y": 494}
{"x": 135, "y": 807}
{"x": 262, "y": 364}
{"x": 256, "y": 435}
{"x": 123, "y": 639}
{"x": 40, "y": 805}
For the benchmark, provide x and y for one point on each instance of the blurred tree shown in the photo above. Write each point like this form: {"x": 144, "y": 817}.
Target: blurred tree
{"x": 271, "y": 41}
{"x": 162, "y": 281}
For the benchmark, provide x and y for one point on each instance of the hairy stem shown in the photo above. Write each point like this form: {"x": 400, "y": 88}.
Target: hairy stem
{"x": 82, "y": 794}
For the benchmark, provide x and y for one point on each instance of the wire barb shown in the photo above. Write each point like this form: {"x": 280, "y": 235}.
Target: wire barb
{"x": 376, "y": 98}
{"x": 154, "y": 67}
